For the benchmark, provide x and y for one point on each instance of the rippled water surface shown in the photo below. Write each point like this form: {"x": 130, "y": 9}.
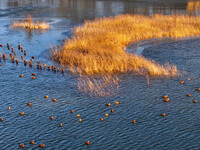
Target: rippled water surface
{"x": 137, "y": 101}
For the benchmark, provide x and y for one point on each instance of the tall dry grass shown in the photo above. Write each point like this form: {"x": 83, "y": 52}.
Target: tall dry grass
{"x": 29, "y": 24}
{"x": 99, "y": 46}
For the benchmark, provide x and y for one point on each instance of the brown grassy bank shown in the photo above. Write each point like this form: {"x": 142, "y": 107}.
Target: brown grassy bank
{"x": 29, "y": 24}
{"x": 99, "y": 46}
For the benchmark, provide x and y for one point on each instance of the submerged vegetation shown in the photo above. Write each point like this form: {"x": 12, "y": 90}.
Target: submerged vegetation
{"x": 29, "y": 24}
{"x": 99, "y": 46}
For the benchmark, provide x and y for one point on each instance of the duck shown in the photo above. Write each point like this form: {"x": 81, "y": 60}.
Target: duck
{"x": 87, "y": 142}
{"x": 41, "y": 145}
{"x": 54, "y": 100}
{"x": 189, "y": 95}
{"x": 4, "y": 55}
{"x": 101, "y": 119}
{"x": 33, "y": 77}
{"x": 72, "y": 111}
{"x": 1, "y": 119}
{"x": 29, "y": 104}
{"x": 80, "y": 120}
{"x": 165, "y": 96}
{"x": 21, "y": 145}
{"x": 22, "y": 113}
{"x": 116, "y": 103}
{"x": 51, "y": 117}
{"x": 1, "y": 45}
{"x": 166, "y": 100}
{"x": 63, "y": 70}
{"x": 134, "y": 121}
{"x": 189, "y": 79}
{"x": 32, "y": 142}
{"x": 194, "y": 101}
{"x": 106, "y": 115}
{"x": 60, "y": 124}
{"x": 108, "y": 104}
{"x": 46, "y": 96}
{"x": 9, "y": 107}
{"x": 162, "y": 115}
{"x": 181, "y": 82}
{"x": 78, "y": 115}
{"x": 21, "y": 75}
{"x": 198, "y": 89}
{"x": 112, "y": 110}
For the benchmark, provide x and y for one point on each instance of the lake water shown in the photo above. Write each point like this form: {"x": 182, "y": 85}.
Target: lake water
{"x": 180, "y": 129}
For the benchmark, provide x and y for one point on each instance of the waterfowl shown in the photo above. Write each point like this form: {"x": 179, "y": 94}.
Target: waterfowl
{"x": 198, "y": 89}
{"x": 33, "y": 57}
{"x": 16, "y": 61}
{"x": 63, "y": 71}
{"x": 166, "y": 100}
{"x": 181, "y": 82}
{"x": 1, "y": 45}
{"x": 19, "y": 45}
{"x": 189, "y": 79}
{"x": 87, "y": 143}
{"x": 1, "y": 119}
{"x": 194, "y": 101}
{"x": 58, "y": 69}
{"x": 72, "y": 111}
{"x": 12, "y": 48}
{"x": 29, "y": 104}
{"x": 54, "y": 100}
{"x": 80, "y": 120}
{"x": 0, "y": 64}
{"x": 60, "y": 124}
{"x": 33, "y": 77}
{"x": 33, "y": 74}
{"x": 41, "y": 145}
{"x": 46, "y": 96}
{"x": 9, "y": 107}
{"x": 134, "y": 121}
{"x": 22, "y": 113}
{"x": 106, "y": 115}
{"x": 21, "y": 145}
{"x": 162, "y": 115}
{"x": 4, "y": 55}
{"x": 14, "y": 53}
{"x": 21, "y": 75}
{"x": 32, "y": 142}
{"x": 101, "y": 119}
{"x": 165, "y": 96}
{"x": 108, "y": 104}
{"x": 38, "y": 61}
{"x": 51, "y": 117}
{"x": 116, "y": 103}
{"x": 112, "y": 110}
{"x": 78, "y": 115}
{"x": 22, "y": 56}
{"x": 188, "y": 95}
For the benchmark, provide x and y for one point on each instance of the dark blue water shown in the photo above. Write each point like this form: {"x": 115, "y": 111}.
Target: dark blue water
{"x": 137, "y": 101}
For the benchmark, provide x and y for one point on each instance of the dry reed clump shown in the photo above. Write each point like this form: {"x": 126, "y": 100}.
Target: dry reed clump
{"x": 104, "y": 86}
{"x": 99, "y": 46}
{"x": 29, "y": 24}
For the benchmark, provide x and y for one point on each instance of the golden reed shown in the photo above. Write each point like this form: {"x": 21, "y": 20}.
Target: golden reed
{"x": 98, "y": 46}
{"x": 29, "y": 24}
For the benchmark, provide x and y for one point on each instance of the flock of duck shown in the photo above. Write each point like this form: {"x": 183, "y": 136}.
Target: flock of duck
{"x": 12, "y": 57}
